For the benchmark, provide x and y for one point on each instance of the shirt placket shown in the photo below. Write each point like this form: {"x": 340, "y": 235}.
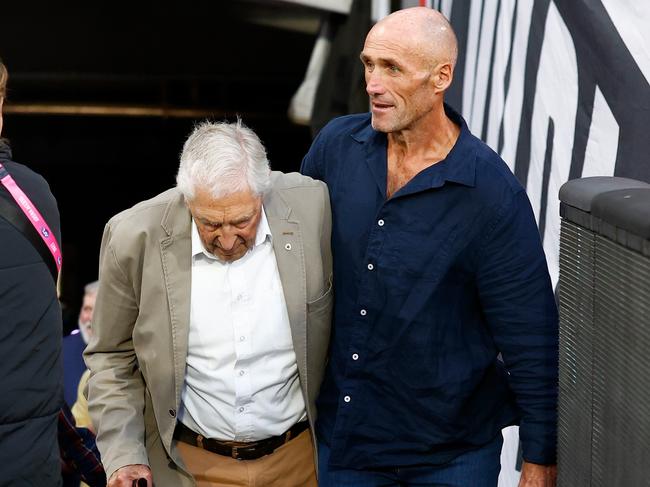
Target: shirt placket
{"x": 365, "y": 309}
{"x": 241, "y": 301}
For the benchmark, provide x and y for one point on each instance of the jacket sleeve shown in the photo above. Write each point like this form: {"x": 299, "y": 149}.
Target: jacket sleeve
{"x": 116, "y": 388}
{"x": 326, "y": 234}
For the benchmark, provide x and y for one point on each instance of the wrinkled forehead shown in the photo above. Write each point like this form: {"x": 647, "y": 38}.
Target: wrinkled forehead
{"x": 423, "y": 33}
{"x": 396, "y": 46}
{"x": 225, "y": 209}
{"x": 391, "y": 32}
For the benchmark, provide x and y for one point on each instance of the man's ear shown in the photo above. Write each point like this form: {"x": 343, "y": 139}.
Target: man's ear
{"x": 442, "y": 77}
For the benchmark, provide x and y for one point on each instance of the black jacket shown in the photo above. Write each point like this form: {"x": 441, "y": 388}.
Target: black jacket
{"x": 30, "y": 345}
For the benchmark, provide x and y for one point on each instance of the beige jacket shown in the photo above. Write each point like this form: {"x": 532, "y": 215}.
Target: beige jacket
{"x": 138, "y": 351}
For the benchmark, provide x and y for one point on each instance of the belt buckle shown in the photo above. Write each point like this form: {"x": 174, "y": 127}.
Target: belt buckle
{"x": 234, "y": 453}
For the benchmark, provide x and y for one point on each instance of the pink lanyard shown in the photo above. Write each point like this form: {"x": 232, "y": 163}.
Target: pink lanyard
{"x": 32, "y": 214}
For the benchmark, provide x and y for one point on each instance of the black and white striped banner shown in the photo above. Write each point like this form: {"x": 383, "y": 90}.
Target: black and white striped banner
{"x": 559, "y": 88}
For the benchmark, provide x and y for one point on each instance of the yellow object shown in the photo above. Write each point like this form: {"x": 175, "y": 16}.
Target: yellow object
{"x": 80, "y": 407}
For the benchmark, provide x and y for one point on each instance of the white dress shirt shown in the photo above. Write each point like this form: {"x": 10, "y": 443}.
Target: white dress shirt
{"x": 241, "y": 380}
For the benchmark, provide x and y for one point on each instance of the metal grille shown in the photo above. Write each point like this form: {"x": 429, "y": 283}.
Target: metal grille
{"x": 621, "y": 394}
{"x": 576, "y": 351}
{"x": 604, "y": 405}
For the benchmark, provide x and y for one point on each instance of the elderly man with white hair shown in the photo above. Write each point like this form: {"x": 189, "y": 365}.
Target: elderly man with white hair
{"x": 212, "y": 321}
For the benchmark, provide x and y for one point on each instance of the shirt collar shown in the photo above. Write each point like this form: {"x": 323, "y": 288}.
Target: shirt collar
{"x": 263, "y": 234}
{"x": 460, "y": 164}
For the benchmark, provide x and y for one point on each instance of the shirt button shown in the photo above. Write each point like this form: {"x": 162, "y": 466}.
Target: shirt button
{"x": 355, "y": 356}
{"x": 380, "y": 223}
{"x": 347, "y": 398}
{"x": 370, "y": 267}
{"x": 172, "y": 413}
{"x": 242, "y": 338}
{"x": 241, "y": 372}
{"x": 287, "y": 246}
{"x": 363, "y": 312}
{"x": 241, "y": 409}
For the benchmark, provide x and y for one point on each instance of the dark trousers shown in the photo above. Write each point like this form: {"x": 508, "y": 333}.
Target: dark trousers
{"x": 477, "y": 468}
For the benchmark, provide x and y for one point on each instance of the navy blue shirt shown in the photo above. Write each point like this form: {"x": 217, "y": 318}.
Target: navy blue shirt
{"x": 431, "y": 286}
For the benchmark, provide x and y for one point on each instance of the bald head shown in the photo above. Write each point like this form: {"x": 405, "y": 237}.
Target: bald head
{"x": 428, "y": 32}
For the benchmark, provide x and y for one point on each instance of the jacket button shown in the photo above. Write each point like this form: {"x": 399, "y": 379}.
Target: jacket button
{"x": 172, "y": 413}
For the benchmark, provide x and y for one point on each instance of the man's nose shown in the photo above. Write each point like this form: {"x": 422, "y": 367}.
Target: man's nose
{"x": 374, "y": 85}
{"x": 227, "y": 240}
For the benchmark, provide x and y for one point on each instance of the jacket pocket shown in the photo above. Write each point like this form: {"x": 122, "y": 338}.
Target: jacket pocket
{"x": 319, "y": 322}
{"x": 323, "y": 301}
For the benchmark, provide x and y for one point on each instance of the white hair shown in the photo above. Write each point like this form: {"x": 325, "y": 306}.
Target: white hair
{"x": 91, "y": 287}
{"x": 223, "y": 158}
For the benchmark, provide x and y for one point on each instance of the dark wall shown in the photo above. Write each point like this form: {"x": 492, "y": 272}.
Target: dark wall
{"x": 199, "y": 55}
{"x": 205, "y": 37}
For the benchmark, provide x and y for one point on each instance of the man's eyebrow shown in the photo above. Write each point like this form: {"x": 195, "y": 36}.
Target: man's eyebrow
{"x": 243, "y": 219}
{"x": 208, "y": 221}
{"x": 391, "y": 61}
{"x": 387, "y": 61}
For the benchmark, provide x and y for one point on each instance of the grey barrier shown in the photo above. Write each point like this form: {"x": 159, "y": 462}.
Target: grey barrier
{"x": 604, "y": 294}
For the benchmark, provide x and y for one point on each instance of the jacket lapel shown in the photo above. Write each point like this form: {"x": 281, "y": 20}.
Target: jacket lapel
{"x": 288, "y": 248}
{"x": 176, "y": 250}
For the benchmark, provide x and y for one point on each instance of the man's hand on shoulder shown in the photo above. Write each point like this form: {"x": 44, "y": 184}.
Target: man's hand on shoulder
{"x": 125, "y": 476}
{"x": 534, "y": 475}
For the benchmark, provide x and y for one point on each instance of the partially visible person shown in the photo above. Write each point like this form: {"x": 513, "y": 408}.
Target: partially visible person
{"x": 87, "y": 310}
{"x": 73, "y": 365}
{"x": 75, "y": 378}
{"x": 30, "y": 332}
{"x": 73, "y": 346}
{"x": 80, "y": 407}
{"x": 212, "y": 323}
{"x": 445, "y": 327}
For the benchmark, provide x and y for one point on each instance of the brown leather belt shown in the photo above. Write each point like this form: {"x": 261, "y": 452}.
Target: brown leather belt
{"x": 235, "y": 449}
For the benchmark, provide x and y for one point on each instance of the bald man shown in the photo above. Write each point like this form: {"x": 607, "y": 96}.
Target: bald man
{"x": 445, "y": 327}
